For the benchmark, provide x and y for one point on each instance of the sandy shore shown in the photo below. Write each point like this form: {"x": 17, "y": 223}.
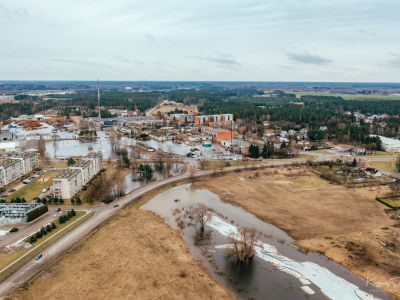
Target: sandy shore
{"x": 347, "y": 225}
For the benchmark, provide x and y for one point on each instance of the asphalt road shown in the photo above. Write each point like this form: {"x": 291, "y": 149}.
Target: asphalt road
{"x": 101, "y": 214}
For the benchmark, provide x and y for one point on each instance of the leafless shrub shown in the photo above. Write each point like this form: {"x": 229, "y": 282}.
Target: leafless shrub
{"x": 243, "y": 244}
{"x": 200, "y": 216}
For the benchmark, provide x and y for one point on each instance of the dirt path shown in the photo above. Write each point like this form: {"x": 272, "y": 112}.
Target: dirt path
{"x": 134, "y": 256}
{"x": 347, "y": 225}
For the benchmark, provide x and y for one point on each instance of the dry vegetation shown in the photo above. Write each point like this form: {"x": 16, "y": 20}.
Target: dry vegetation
{"x": 347, "y": 225}
{"x": 134, "y": 256}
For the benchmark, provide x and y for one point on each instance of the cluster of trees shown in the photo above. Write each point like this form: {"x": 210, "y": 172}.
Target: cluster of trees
{"x": 104, "y": 188}
{"x": 36, "y": 212}
{"x": 41, "y": 232}
{"x": 78, "y": 201}
{"x": 269, "y": 151}
{"x": 50, "y": 200}
{"x": 18, "y": 200}
{"x": 71, "y": 162}
{"x": 145, "y": 172}
{"x": 64, "y": 218}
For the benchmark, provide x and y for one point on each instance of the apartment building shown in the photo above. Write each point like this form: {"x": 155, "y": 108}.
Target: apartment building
{"x": 71, "y": 180}
{"x": 68, "y": 183}
{"x": 86, "y": 167}
{"x": 217, "y": 134}
{"x": 13, "y": 168}
{"x": 214, "y": 120}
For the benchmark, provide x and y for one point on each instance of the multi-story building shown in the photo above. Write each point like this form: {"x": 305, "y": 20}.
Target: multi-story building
{"x": 67, "y": 184}
{"x": 71, "y": 180}
{"x": 86, "y": 167}
{"x": 29, "y": 161}
{"x": 218, "y": 134}
{"x": 214, "y": 120}
{"x": 13, "y": 168}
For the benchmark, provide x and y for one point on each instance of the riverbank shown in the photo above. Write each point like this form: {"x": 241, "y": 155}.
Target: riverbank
{"x": 346, "y": 225}
{"x": 135, "y": 255}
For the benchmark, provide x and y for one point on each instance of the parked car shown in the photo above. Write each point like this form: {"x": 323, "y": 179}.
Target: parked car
{"x": 12, "y": 190}
{"x": 26, "y": 181}
{"x": 58, "y": 209}
{"x": 39, "y": 256}
{"x": 116, "y": 205}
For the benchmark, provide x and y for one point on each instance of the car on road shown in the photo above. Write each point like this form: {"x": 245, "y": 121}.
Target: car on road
{"x": 58, "y": 209}
{"x": 26, "y": 181}
{"x": 115, "y": 205}
{"x": 39, "y": 256}
{"x": 12, "y": 190}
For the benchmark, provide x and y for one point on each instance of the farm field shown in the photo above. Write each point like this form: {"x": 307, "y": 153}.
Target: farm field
{"x": 346, "y": 224}
{"x": 351, "y": 96}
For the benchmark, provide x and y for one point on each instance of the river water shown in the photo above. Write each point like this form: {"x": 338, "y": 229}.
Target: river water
{"x": 280, "y": 270}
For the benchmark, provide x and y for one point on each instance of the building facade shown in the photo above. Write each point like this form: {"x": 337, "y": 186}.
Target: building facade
{"x": 71, "y": 180}
{"x": 15, "y": 167}
{"x": 214, "y": 120}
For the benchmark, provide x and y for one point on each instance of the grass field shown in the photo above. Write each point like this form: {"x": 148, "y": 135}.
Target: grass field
{"x": 351, "y": 96}
{"x": 393, "y": 202}
{"x": 215, "y": 164}
{"x": 389, "y": 166}
{"x": 33, "y": 189}
{"x": 27, "y": 254}
{"x": 135, "y": 255}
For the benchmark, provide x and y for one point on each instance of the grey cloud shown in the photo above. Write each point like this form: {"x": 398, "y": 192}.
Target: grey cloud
{"x": 149, "y": 37}
{"x": 307, "y": 58}
{"x": 366, "y": 32}
{"x": 10, "y": 13}
{"x": 220, "y": 58}
{"x": 394, "y": 59}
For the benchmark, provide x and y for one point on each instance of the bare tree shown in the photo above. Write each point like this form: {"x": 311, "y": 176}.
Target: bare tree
{"x": 203, "y": 164}
{"x": 243, "y": 244}
{"x": 42, "y": 147}
{"x": 201, "y": 216}
{"x": 113, "y": 141}
{"x": 192, "y": 172}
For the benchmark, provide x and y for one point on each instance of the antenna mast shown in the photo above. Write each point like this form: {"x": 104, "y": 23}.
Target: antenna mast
{"x": 98, "y": 97}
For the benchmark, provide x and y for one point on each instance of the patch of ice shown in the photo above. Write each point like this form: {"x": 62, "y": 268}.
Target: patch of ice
{"x": 330, "y": 284}
{"x": 307, "y": 290}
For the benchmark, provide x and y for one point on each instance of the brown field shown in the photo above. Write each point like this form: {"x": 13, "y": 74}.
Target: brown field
{"x": 133, "y": 256}
{"x": 347, "y": 225}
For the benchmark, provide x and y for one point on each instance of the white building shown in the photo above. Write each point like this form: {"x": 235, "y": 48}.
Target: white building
{"x": 13, "y": 168}
{"x": 10, "y": 147}
{"x": 389, "y": 144}
{"x": 67, "y": 184}
{"x": 71, "y": 180}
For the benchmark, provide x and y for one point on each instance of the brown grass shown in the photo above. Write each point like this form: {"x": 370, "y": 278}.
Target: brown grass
{"x": 134, "y": 256}
{"x": 320, "y": 216}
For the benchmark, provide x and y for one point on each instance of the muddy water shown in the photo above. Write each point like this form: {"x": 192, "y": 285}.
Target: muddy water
{"x": 131, "y": 181}
{"x": 279, "y": 270}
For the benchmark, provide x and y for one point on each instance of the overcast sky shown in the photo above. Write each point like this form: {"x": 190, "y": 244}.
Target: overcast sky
{"x": 265, "y": 40}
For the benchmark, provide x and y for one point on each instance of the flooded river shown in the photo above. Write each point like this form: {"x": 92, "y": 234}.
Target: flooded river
{"x": 279, "y": 270}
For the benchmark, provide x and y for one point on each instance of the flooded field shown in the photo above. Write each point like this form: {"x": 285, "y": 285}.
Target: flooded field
{"x": 279, "y": 269}
{"x": 131, "y": 181}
